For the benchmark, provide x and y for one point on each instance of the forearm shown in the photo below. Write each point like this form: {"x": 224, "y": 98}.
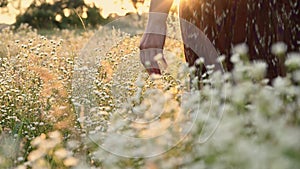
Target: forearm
{"x": 158, "y": 14}
{"x": 160, "y": 6}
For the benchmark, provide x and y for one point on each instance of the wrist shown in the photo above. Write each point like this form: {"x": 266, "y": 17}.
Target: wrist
{"x": 157, "y": 23}
{"x": 157, "y": 17}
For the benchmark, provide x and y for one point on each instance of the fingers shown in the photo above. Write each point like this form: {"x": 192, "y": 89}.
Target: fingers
{"x": 147, "y": 57}
{"x": 153, "y": 71}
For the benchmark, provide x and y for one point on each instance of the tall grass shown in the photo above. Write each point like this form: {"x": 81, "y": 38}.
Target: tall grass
{"x": 257, "y": 124}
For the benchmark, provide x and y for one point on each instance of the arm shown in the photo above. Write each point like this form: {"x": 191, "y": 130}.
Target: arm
{"x": 153, "y": 39}
{"x": 160, "y": 6}
{"x": 158, "y": 14}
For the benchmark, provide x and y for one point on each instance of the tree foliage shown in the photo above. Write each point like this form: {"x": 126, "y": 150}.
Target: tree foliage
{"x": 41, "y": 14}
{"x": 3, "y": 3}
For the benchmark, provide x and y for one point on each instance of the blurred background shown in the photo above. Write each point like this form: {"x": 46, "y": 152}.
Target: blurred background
{"x": 66, "y": 14}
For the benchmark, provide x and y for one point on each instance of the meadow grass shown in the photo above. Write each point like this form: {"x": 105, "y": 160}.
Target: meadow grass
{"x": 39, "y": 126}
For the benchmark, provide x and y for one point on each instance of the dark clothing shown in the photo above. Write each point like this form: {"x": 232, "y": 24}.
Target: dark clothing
{"x": 258, "y": 23}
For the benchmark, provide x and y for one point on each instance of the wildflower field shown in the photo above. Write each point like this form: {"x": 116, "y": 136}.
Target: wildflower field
{"x": 236, "y": 120}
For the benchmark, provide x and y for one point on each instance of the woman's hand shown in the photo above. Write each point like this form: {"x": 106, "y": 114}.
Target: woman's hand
{"x": 152, "y": 43}
{"x": 151, "y": 52}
